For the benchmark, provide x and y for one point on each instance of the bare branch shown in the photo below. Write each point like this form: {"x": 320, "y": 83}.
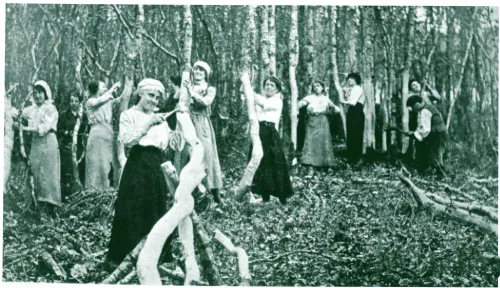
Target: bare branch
{"x": 124, "y": 23}
{"x": 159, "y": 46}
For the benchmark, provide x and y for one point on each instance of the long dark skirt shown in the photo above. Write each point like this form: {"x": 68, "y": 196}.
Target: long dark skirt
{"x": 430, "y": 151}
{"x": 272, "y": 177}
{"x": 355, "y": 123}
{"x": 143, "y": 198}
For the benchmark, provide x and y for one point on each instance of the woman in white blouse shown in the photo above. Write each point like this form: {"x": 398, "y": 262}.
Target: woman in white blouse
{"x": 44, "y": 156}
{"x": 355, "y": 118}
{"x": 143, "y": 192}
{"x": 271, "y": 177}
{"x": 318, "y": 148}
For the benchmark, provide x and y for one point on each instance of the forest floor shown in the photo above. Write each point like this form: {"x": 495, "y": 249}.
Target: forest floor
{"x": 341, "y": 228}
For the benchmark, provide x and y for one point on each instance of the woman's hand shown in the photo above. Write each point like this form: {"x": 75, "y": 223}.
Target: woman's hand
{"x": 155, "y": 120}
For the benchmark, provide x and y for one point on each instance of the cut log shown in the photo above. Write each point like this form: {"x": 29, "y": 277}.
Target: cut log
{"x": 245, "y": 277}
{"x": 129, "y": 277}
{"x": 49, "y": 261}
{"x": 457, "y": 214}
{"x": 126, "y": 265}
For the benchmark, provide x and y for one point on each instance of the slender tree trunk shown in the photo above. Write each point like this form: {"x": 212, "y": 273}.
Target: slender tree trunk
{"x": 248, "y": 50}
{"x": 406, "y": 74}
{"x": 367, "y": 62}
{"x": 293, "y": 47}
{"x": 272, "y": 41}
{"x": 462, "y": 72}
{"x": 309, "y": 51}
{"x": 264, "y": 47}
{"x": 335, "y": 68}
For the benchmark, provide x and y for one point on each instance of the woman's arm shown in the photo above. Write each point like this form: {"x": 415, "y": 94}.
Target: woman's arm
{"x": 333, "y": 108}
{"x": 424, "y": 125}
{"x": 49, "y": 121}
{"x": 207, "y": 100}
{"x": 303, "y": 102}
{"x": 130, "y": 134}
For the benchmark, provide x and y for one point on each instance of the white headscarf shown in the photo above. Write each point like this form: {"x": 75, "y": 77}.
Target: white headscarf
{"x": 149, "y": 83}
{"x": 46, "y": 87}
{"x": 203, "y": 65}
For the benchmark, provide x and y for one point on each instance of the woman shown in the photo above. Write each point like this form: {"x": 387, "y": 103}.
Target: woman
{"x": 429, "y": 96}
{"x": 430, "y": 135}
{"x": 100, "y": 144}
{"x": 271, "y": 177}
{"x": 318, "y": 148}
{"x": 44, "y": 156}
{"x": 203, "y": 95}
{"x": 65, "y": 127}
{"x": 355, "y": 118}
{"x": 143, "y": 193}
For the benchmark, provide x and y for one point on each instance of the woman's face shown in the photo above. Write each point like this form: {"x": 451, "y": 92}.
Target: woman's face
{"x": 74, "y": 103}
{"x": 198, "y": 73}
{"x": 102, "y": 88}
{"x": 149, "y": 99}
{"x": 38, "y": 97}
{"x": 415, "y": 86}
{"x": 270, "y": 88}
{"x": 317, "y": 88}
{"x": 351, "y": 82}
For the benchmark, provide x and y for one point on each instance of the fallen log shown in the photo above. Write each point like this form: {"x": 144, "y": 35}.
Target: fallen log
{"x": 457, "y": 214}
{"x": 179, "y": 276}
{"x": 245, "y": 277}
{"x": 471, "y": 207}
{"x": 49, "y": 261}
{"x": 489, "y": 180}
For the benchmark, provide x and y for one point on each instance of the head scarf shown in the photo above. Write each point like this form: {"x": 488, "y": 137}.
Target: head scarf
{"x": 45, "y": 87}
{"x": 203, "y": 65}
{"x": 149, "y": 83}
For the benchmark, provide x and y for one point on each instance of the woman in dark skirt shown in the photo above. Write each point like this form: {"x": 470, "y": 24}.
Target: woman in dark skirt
{"x": 355, "y": 118}
{"x": 271, "y": 177}
{"x": 143, "y": 195}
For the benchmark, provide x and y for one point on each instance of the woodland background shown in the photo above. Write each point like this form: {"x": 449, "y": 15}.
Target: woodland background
{"x": 454, "y": 49}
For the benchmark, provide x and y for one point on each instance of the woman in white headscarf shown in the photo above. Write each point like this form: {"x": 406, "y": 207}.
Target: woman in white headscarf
{"x": 42, "y": 119}
{"x": 143, "y": 194}
{"x": 203, "y": 95}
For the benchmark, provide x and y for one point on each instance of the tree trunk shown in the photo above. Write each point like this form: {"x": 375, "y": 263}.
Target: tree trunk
{"x": 8, "y": 133}
{"x": 272, "y": 41}
{"x": 294, "y": 59}
{"x": 406, "y": 75}
{"x": 367, "y": 62}
{"x": 188, "y": 35}
{"x": 335, "y": 68}
{"x": 458, "y": 85}
{"x": 264, "y": 47}
{"x": 309, "y": 51}
{"x": 257, "y": 152}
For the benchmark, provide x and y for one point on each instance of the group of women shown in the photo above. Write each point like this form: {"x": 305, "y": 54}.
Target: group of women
{"x": 143, "y": 192}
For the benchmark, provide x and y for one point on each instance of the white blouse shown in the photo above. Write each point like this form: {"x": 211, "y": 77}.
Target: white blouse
{"x": 269, "y": 108}
{"x": 97, "y": 112}
{"x": 424, "y": 124}
{"x": 354, "y": 95}
{"x": 44, "y": 118}
{"x": 132, "y": 123}
{"x": 317, "y": 104}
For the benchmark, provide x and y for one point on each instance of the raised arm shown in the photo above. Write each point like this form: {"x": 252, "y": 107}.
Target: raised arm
{"x": 303, "y": 102}
{"x": 332, "y": 107}
{"x": 95, "y": 103}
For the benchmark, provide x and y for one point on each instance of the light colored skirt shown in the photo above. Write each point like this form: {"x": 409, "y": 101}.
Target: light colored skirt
{"x": 99, "y": 157}
{"x": 45, "y": 164}
{"x": 318, "y": 148}
{"x": 206, "y": 134}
